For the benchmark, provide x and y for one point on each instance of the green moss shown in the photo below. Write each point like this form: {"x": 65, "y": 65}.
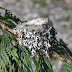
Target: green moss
{"x": 71, "y": 42}
{"x": 63, "y": 32}
{"x": 45, "y": 15}
{"x": 42, "y": 3}
{"x": 65, "y": 7}
{"x": 53, "y": 1}
{"x": 66, "y": 19}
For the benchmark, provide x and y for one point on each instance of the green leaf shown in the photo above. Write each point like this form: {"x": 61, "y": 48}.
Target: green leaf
{"x": 8, "y": 23}
{"x": 68, "y": 66}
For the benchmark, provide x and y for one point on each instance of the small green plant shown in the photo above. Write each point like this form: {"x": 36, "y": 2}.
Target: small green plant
{"x": 16, "y": 58}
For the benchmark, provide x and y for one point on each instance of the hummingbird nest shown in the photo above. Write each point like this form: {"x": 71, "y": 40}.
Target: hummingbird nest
{"x": 38, "y": 35}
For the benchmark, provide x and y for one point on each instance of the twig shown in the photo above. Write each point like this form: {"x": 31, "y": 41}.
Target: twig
{"x": 58, "y": 56}
{"x": 9, "y": 29}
